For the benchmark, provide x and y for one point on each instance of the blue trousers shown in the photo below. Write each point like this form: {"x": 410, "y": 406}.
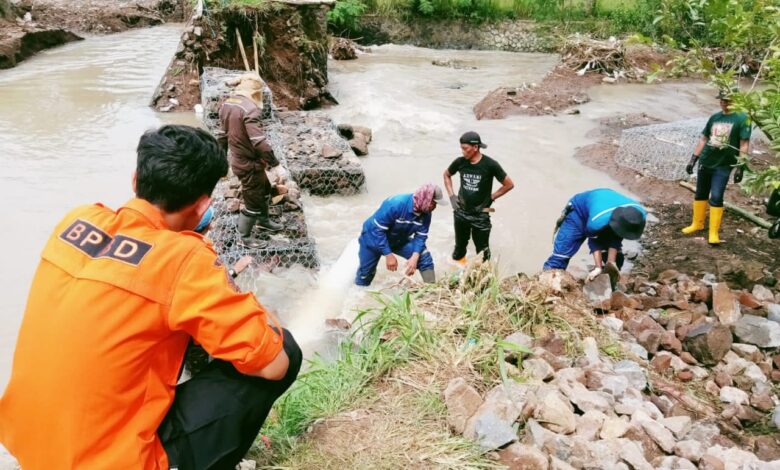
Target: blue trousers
{"x": 711, "y": 184}
{"x": 571, "y": 235}
{"x": 369, "y": 258}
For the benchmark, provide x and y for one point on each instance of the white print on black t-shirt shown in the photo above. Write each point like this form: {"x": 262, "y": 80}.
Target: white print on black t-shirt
{"x": 470, "y": 181}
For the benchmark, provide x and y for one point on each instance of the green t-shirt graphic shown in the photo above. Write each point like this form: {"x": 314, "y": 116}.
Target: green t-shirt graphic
{"x": 723, "y": 133}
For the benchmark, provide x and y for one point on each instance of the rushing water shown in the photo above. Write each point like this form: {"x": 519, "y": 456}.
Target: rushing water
{"x": 70, "y": 119}
{"x": 417, "y": 112}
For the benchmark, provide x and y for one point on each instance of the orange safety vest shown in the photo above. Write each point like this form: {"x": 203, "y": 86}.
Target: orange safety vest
{"x": 113, "y": 303}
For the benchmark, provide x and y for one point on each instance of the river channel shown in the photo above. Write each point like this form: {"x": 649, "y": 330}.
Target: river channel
{"x": 70, "y": 119}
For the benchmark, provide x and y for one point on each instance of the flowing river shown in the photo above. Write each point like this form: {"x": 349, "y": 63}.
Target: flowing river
{"x": 70, "y": 119}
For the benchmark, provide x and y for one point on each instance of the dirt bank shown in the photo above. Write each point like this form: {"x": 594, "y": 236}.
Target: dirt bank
{"x": 28, "y": 27}
{"x": 746, "y": 256}
{"x": 584, "y": 63}
{"x": 289, "y": 38}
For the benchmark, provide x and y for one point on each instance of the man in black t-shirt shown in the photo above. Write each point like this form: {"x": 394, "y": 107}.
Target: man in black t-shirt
{"x": 471, "y": 206}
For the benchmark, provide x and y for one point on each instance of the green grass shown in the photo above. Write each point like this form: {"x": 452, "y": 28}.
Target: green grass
{"x": 392, "y": 370}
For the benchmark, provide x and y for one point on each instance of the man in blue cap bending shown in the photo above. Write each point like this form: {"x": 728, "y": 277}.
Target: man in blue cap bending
{"x": 400, "y": 226}
{"x": 602, "y": 216}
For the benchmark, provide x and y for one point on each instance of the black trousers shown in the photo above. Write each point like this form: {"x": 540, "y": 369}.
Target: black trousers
{"x": 217, "y": 414}
{"x": 472, "y": 226}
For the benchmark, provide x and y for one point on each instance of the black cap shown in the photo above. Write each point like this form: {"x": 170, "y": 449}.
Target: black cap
{"x": 627, "y": 222}
{"x": 472, "y": 138}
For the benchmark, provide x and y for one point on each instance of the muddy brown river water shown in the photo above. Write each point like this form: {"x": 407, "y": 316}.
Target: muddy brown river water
{"x": 70, "y": 119}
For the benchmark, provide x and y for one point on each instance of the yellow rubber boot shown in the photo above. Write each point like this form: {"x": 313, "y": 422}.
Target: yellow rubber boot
{"x": 716, "y": 215}
{"x": 699, "y": 213}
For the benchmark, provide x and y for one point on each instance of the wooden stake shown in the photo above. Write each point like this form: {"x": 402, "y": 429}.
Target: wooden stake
{"x": 243, "y": 52}
{"x": 737, "y": 210}
{"x": 254, "y": 46}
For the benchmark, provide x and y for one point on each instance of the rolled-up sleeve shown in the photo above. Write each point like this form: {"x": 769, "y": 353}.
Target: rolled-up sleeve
{"x": 230, "y": 325}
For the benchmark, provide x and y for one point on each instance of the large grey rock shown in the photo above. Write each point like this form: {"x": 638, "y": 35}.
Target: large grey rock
{"x": 633, "y": 372}
{"x": 614, "y": 324}
{"x": 762, "y": 293}
{"x": 613, "y": 428}
{"x": 599, "y": 292}
{"x": 602, "y": 381}
{"x": 704, "y": 432}
{"x": 504, "y": 402}
{"x": 708, "y": 342}
{"x": 522, "y": 457}
{"x": 521, "y": 341}
{"x": 673, "y": 463}
{"x": 492, "y": 432}
{"x": 733, "y": 457}
{"x": 679, "y": 425}
{"x": 558, "y": 280}
{"x": 725, "y": 304}
{"x": 734, "y": 395}
{"x": 633, "y": 455}
{"x": 657, "y": 432}
{"x": 538, "y": 369}
{"x": 776, "y": 418}
{"x": 749, "y": 352}
{"x": 690, "y": 450}
{"x": 773, "y": 312}
{"x": 555, "y": 415}
{"x": 585, "y": 399}
{"x": 462, "y": 402}
{"x": 589, "y": 425}
{"x": 757, "y": 330}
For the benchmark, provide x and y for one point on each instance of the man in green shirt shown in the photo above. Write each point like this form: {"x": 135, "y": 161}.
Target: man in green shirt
{"x": 726, "y": 135}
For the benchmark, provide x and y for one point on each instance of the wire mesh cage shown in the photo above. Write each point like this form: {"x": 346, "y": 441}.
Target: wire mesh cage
{"x": 313, "y": 157}
{"x": 660, "y": 150}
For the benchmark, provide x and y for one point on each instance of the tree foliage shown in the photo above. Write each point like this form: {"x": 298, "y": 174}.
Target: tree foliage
{"x": 734, "y": 41}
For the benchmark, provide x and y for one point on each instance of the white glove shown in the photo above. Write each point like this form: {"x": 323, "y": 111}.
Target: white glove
{"x": 593, "y": 274}
{"x": 277, "y": 175}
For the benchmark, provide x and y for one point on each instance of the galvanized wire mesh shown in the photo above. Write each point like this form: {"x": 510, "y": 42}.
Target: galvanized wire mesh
{"x": 314, "y": 157}
{"x": 660, "y": 150}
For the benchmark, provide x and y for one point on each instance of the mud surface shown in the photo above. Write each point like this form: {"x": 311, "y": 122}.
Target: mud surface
{"x": 102, "y": 16}
{"x": 746, "y": 256}
{"x": 31, "y": 26}
{"x": 560, "y": 89}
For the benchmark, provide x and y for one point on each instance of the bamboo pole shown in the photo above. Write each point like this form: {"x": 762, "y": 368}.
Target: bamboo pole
{"x": 254, "y": 46}
{"x": 243, "y": 52}
{"x": 735, "y": 209}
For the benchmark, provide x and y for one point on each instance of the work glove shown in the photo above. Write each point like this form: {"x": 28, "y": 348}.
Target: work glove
{"x": 455, "y": 202}
{"x": 482, "y": 207}
{"x": 691, "y": 164}
{"x": 739, "y": 174}
{"x": 593, "y": 274}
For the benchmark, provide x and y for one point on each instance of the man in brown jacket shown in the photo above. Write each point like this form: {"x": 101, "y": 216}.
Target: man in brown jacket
{"x": 249, "y": 154}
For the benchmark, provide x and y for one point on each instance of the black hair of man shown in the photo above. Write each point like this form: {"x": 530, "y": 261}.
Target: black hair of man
{"x": 177, "y": 165}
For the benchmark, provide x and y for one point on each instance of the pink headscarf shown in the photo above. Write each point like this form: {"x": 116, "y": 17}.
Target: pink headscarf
{"x": 423, "y": 198}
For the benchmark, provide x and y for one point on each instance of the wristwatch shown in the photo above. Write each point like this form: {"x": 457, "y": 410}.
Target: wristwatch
{"x": 232, "y": 273}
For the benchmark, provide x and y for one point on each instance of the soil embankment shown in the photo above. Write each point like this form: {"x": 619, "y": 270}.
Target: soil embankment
{"x": 287, "y": 40}
{"x": 28, "y": 27}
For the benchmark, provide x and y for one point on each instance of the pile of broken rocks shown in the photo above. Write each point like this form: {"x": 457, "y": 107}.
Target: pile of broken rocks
{"x": 694, "y": 384}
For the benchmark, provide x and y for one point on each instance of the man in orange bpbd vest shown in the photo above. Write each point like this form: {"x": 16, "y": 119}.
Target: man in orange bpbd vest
{"x": 115, "y": 300}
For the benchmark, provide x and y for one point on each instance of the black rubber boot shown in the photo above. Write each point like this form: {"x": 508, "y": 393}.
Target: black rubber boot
{"x": 428, "y": 276}
{"x": 266, "y": 223}
{"x": 263, "y": 221}
{"x": 245, "y": 224}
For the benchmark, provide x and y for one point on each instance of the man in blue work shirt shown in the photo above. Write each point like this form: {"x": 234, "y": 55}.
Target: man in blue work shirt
{"x": 602, "y": 216}
{"x": 399, "y": 227}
